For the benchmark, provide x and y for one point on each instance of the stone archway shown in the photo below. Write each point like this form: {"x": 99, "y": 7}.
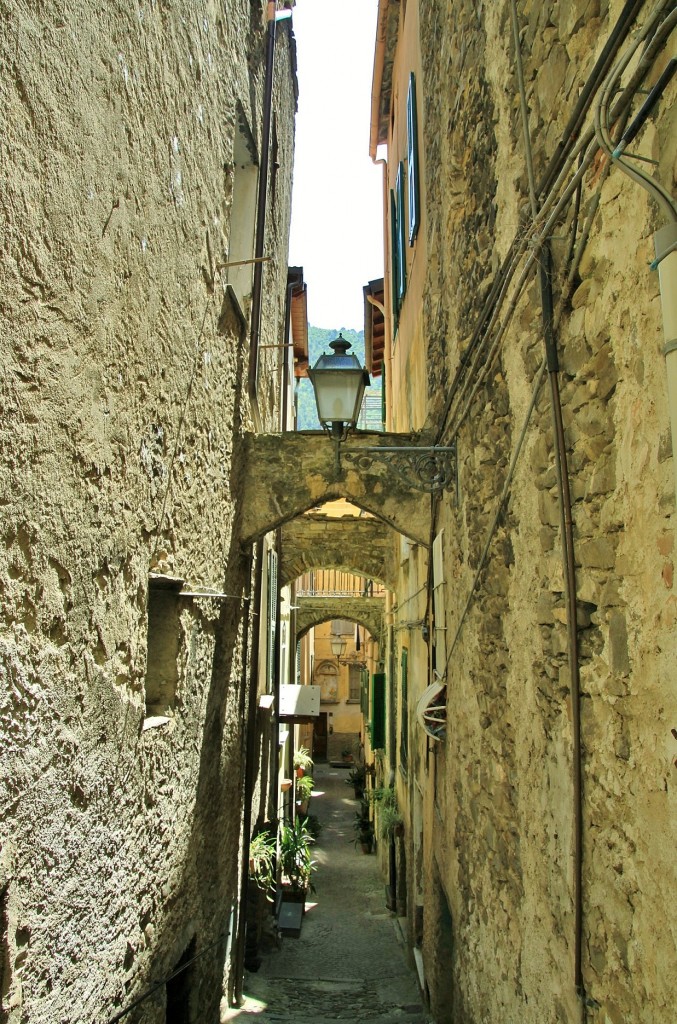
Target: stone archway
{"x": 360, "y": 546}
{"x": 290, "y": 473}
{"x": 364, "y": 611}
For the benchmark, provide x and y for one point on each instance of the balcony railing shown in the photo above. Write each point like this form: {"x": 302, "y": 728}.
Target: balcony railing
{"x": 330, "y": 583}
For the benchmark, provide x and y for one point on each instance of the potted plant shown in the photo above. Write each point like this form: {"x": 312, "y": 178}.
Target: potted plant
{"x": 363, "y": 828}
{"x": 262, "y": 849}
{"x": 303, "y": 762}
{"x": 296, "y": 864}
{"x": 390, "y": 819}
{"x": 304, "y": 788}
{"x": 356, "y": 779}
{"x": 347, "y": 755}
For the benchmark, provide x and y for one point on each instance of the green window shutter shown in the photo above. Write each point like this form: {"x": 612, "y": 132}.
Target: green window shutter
{"x": 412, "y": 160}
{"x": 404, "y": 694}
{"x": 378, "y": 710}
{"x": 401, "y": 244}
{"x": 383, "y": 391}
{"x": 394, "y": 271}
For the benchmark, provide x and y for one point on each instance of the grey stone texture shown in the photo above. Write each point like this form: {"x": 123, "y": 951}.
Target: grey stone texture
{"x": 123, "y": 363}
{"x": 313, "y": 611}
{"x": 363, "y": 547}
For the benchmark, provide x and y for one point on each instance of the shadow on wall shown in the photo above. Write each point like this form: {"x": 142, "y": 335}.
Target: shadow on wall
{"x": 438, "y": 951}
{"x": 183, "y": 982}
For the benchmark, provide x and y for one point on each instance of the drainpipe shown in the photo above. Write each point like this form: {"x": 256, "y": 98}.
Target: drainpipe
{"x": 284, "y": 410}
{"x": 275, "y": 725}
{"x": 665, "y": 241}
{"x": 250, "y": 774}
{"x": 262, "y": 201}
{"x": 379, "y": 62}
{"x": 293, "y": 280}
{"x": 567, "y": 537}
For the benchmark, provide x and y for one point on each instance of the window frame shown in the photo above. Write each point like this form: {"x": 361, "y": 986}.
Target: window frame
{"x": 413, "y": 161}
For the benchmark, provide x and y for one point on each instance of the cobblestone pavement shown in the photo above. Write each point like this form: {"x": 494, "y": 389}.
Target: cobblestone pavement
{"x": 349, "y": 963}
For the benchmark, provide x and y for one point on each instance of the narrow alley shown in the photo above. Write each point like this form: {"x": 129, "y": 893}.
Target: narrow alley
{"x": 349, "y": 963}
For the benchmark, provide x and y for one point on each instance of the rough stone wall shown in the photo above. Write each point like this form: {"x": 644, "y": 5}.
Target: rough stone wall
{"x": 499, "y": 801}
{"x": 121, "y": 389}
{"x": 316, "y": 539}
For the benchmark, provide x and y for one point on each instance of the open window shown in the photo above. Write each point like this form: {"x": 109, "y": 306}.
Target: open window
{"x": 242, "y": 215}
{"x": 378, "y": 711}
{"x": 412, "y": 161}
{"x": 164, "y": 644}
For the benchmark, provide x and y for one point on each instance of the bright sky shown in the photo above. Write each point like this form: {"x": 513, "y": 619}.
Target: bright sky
{"x": 336, "y": 232}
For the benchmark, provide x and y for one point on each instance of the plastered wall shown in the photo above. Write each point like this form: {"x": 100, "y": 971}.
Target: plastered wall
{"x": 123, "y": 372}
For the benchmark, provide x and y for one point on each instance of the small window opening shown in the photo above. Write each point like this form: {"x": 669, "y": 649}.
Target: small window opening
{"x": 354, "y": 682}
{"x": 243, "y": 215}
{"x": 164, "y": 644}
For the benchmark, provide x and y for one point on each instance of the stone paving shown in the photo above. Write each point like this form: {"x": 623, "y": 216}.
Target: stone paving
{"x": 349, "y": 963}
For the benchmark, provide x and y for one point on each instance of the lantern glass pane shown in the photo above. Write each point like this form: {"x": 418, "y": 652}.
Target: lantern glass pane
{"x": 336, "y": 394}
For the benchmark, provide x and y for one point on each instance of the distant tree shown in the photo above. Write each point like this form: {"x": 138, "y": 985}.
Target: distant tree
{"x": 318, "y": 342}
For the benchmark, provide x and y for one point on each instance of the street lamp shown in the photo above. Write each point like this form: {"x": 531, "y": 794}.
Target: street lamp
{"x": 338, "y": 646}
{"x": 339, "y": 382}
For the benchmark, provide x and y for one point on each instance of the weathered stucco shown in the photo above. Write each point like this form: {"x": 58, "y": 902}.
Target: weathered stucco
{"x": 120, "y": 454}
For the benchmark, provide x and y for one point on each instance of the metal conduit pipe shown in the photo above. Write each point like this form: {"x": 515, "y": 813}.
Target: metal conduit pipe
{"x": 562, "y": 154}
{"x": 566, "y": 532}
{"x": 534, "y": 239}
{"x": 611, "y": 47}
{"x": 665, "y": 241}
{"x": 256, "y": 561}
{"x": 262, "y": 201}
{"x": 275, "y": 718}
{"x": 569, "y": 566}
{"x": 292, "y": 281}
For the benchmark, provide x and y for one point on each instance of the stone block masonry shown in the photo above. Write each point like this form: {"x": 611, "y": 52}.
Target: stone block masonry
{"x": 123, "y": 361}
{"x": 493, "y": 860}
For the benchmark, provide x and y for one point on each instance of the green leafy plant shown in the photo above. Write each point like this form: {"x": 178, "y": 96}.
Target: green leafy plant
{"x": 262, "y": 850}
{"x": 302, "y": 759}
{"x": 389, "y": 816}
{"x": 314, "y": 825}
{"x": 363, "y": 828}
{"x": 295, "y": 861}
{"x": 356, "y": 778}
{"x": 304, "y": 788}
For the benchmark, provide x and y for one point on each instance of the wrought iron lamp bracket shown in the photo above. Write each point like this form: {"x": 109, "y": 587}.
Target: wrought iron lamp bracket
{"x": 425, "y": 469}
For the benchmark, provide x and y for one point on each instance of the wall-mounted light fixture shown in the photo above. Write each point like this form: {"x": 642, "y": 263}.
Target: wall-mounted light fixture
{"x": 338, "y": 382}
{"x": 338, "y": 646}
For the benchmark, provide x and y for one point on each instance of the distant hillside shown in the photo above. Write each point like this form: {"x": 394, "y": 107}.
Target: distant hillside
{"x": 318, "y": 342}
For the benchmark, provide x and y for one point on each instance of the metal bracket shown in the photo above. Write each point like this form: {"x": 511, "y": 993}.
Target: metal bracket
{"x": 425, "y": 469}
